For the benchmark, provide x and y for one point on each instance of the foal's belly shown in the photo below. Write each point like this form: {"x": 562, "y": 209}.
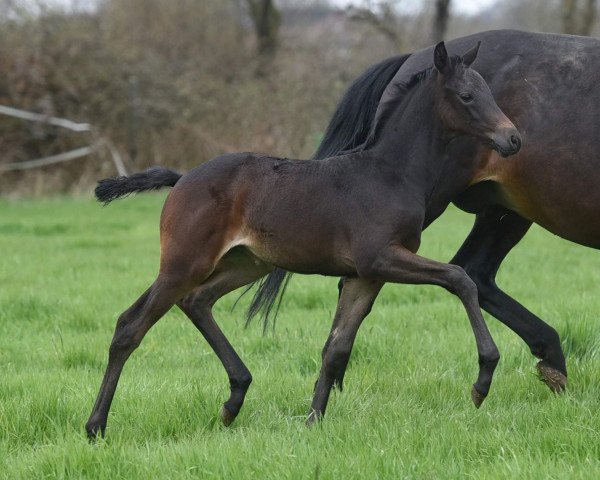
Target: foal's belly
{"x": 302, "y": 255}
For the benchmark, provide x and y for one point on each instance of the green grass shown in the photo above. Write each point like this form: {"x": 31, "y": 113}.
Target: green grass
{"x": 69, "y": 267}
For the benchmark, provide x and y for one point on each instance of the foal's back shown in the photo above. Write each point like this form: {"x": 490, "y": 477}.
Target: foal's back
{"x": 303, "y": 215}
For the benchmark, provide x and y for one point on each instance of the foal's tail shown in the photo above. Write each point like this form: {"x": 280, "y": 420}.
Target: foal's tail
{"x": 154, "y": 178}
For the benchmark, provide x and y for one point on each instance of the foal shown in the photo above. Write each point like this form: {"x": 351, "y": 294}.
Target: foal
{"x": 232, "y": 220}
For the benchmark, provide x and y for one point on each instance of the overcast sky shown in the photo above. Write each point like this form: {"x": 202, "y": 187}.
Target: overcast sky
{"x": 457, "y": 6}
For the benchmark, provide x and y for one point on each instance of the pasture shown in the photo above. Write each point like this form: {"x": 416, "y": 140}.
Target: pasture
{"x": 69, "y": 267}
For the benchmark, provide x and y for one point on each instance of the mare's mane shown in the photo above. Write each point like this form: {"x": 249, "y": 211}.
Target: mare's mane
{"x": 401, "y": 90}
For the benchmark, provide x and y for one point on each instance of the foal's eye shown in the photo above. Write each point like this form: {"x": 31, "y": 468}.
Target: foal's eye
{"x": 466, "y": 97}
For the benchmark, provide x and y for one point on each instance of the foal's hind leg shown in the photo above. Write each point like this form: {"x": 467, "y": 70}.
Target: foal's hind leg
{"x": 131, "y": 327}
{"x": 356, "y": 299}
{"x": 235, "y": 270}
{"x": 494, "y": 234}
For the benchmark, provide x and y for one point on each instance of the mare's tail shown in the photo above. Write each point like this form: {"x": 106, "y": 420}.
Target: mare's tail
{"x": 154, "y": 178}
{"x": 348, "y": 128}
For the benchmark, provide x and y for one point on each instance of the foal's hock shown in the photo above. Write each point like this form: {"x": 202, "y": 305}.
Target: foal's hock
{"x": 235, "y": 218}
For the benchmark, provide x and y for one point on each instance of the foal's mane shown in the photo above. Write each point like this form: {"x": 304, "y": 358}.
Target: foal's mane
{"x": 401, "y": 90}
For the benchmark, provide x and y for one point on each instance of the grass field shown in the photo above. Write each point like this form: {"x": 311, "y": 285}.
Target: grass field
{"x": 69, "y": 267}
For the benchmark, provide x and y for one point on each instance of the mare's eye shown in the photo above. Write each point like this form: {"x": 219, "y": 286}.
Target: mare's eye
{"x": 466, "y": 97}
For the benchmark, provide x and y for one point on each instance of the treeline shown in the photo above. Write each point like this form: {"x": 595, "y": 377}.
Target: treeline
{"x": 172, "y": 83}
{"x": 177, "y": 82}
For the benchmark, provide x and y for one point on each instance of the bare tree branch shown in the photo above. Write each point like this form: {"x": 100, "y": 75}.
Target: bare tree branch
{"x": 384, "y": 22}
{"x": 440, "y": 20}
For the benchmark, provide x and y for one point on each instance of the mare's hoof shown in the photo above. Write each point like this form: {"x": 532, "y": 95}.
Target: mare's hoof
{"x": 313, "y": 418}
{"x": 95, "y": 431}
{"x": 477, "y": 397}
{"x": 556, "y": 381}
{"x": 227, "y": 417}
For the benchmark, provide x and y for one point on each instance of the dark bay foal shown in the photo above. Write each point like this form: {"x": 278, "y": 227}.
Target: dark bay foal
{"x": 234, "y": 219}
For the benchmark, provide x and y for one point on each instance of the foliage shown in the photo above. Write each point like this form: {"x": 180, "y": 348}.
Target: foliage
{"x": 172, "y": 83}
{"x": 178, "y": 82}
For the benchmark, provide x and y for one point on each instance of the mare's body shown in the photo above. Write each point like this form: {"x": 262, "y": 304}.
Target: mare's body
{"x": 548, "y": 85}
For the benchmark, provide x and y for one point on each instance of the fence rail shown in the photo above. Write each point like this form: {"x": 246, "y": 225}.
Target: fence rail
{"x": 98, "y": 142}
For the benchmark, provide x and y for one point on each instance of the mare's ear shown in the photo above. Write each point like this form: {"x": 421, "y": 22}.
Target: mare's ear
{"x": 440, "y": 58}
{"x": 469, "y": 57}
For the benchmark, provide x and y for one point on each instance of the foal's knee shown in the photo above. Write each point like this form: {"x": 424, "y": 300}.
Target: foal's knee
{"x": 461, "y": 284}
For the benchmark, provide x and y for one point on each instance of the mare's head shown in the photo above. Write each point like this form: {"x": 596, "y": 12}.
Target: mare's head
{"x": 466, "y": 105}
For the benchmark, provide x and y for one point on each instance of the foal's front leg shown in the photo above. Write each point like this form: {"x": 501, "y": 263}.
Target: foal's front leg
{"x": 398, "y": 265}
{"x": 356, "y": 298}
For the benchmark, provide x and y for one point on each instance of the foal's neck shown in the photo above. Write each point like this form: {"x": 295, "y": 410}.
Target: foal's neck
{"x": 413, "y": 147}
{"x": 413, "y": 139}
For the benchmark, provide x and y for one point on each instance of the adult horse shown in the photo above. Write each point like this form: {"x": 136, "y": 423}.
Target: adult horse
{"x": 232, "y": 220}
{"x": 548, "y": 85}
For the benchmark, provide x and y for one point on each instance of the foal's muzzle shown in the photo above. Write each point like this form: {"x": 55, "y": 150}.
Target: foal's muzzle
{"x": 507, "y": 142}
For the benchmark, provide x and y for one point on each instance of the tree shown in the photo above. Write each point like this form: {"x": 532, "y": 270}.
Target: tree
{"x": 382, "y": 19}
{"x": 266, "y": 19}
{"x": 587, "y": 12}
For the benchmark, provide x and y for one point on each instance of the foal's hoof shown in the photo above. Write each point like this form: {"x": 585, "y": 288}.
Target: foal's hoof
{"x": 313, "y": 418}
{"x": 556, "y": 381}
{"x": 477, "y": 397}
{"x": 227, "y": 417}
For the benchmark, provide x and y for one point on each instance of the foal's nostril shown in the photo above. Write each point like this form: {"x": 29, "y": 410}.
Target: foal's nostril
{"x": 515, "y": 141}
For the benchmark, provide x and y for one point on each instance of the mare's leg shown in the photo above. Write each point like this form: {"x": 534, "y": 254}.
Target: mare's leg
{"x": 234, "y": 270}
{"x": 131, "y": 327}
{"x": 356, "y": 299}
{"x": 398, "y": 265}
{"x": 494, "y": 234}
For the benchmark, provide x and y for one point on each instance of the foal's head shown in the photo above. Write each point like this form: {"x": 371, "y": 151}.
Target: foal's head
{"x": 466, "y": 105}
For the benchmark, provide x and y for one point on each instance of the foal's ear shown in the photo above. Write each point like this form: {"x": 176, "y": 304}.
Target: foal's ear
{"x": 440, "y": 58}
{"x": 469, "y": 57}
